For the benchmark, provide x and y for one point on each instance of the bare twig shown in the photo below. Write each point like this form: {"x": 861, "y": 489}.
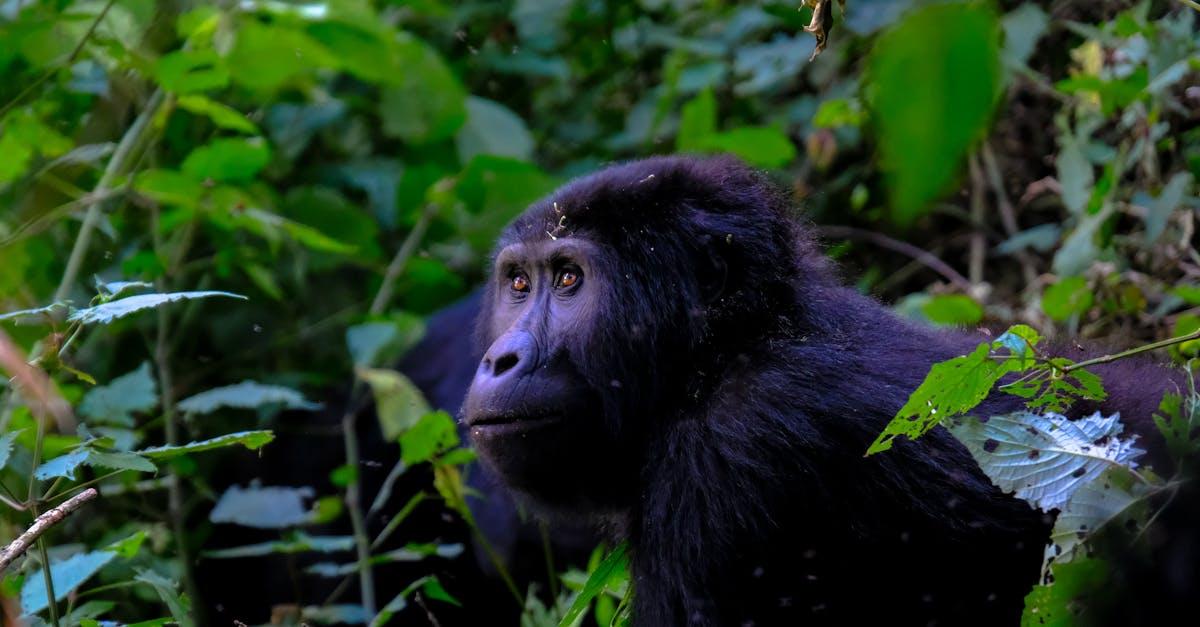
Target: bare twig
{"x": 401, "y": 260}
{"x": 1008, "y": 215}
{"x": 41, "y": 525}
{"x": 978, "y": 247}
{"x": 1104, "y": 359}
{"x": 904, "y": 248}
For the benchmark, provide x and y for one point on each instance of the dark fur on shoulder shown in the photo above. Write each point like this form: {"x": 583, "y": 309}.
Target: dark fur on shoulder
{"x": 743, "y": 382}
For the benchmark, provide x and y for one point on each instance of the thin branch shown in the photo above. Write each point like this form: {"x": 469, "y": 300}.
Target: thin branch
{"x": 116, "y": 164}
{"x": 1191, "y": 3}
{"x": 978, "y": 245}
{"x": 1194, "y": 335}
{"x": 1008, "y": 215}
{"x": 904, "y": 248}
{"x": 41, "y": 525}
{"x": 401, "y": 260}
{"x": 362, "y": 543}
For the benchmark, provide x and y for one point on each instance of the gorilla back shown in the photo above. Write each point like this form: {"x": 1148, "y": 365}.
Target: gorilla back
{"x": 668, "y": 355}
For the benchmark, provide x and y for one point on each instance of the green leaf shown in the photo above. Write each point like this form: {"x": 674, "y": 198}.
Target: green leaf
{"x": 245, "y": 395}
{"x": 221, "y": 115}
{"x": 934, "y": 80}
{"x": 1189, "y": 293}
{"x": 169, "y": 187}
{"x": 399, "y": 404}
{"x": 63, "y": 465}
{"x": 1069, "y": 297}
{"x": 1023, "y": 27}
{"x": 1080, "y": 248}
{"x": 951, "y": 387}
{"x": 428, "y": 103}
{"x": 1177, "y": 420}
{"x": 229, "y": 160}
{"x": 1116, "y": 497}
{"x": 252, "y": 440}
{"x": 115, "y": 403}
{"x": 434, "y": 432}
{"x": 273, "y": 507}
{"x": 67, "y": 575}
{"x": 952, "y": 310}
{"x": 1168, "y": 200}
{"x": 613, "y": 570}
{"x": 697, "y": 122}
{"x": 188, "y": 71}
{"x": 492, "y": 129}
{"x": 764, "y": 146}
{"x": 838, "y": 112}
{"x": 264, "y": 222}
{"x": 120, "y": 460}
{"x": 1075, "y": 173}
{"x": 373, "y": 343}
{"x": 266, "y": 56}
{"x": 107, "y": 312}
{"x": 1060, "y": 604}
{"x": 128, "y": 547}
{"x": 1044, "y": 459}
{"x": 494, "y": 190}
{"x": 180, "y": 606}
{"x": 39, "y": 314}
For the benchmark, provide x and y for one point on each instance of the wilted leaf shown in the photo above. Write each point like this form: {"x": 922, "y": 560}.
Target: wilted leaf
{"x": 927, "y": 124}
{"x": 1044, "y": 459}
{"x": 245, "y": 395}
{"x": 272, "y": 507}
{"x": 399, "y": 404}
{"x": 252, "y": 440}
{"x": 107, "y": 312}
{"x": 67, "y": 575}
{"x": 115, "y": 403}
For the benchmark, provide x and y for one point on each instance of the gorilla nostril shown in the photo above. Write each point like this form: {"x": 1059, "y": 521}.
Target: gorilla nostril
{"x": 504, "y": 363}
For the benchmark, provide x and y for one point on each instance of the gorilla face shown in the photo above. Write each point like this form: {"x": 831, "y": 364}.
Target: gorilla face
{"x": 530, "y": 411}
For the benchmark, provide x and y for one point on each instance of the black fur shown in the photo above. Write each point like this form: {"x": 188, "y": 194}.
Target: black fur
{"x": 739, "y": 383}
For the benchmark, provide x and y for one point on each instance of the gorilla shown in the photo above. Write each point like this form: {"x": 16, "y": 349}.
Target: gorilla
{"x": 668, "y": 357}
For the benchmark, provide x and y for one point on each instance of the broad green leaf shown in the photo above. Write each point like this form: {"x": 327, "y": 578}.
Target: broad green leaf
{"x": 62, "y": 466}
{"x": 697, "y": 122}
{"x": 764, "y": 146}
{"x": 399, "y": 404}
{"x": 1069, "y": 297}
{"x": 360, "y": 51}
{"x": 1168, "y": 200}
{"x": 1080, "y": 248}
{"x": 1177, "y": 418}
{"x": 1189, "y": 293}
{"x": 67, "y": 575}
{"x": 611, "y": 571}
{"x": 266, "y": 56}
{"x": 296, "y": 542}
{"x": 228, "y": 160}
{"x": 1059, "y": 604}
{"x": 273, "y": 507}
{"x": 427, "y": 103}
{"x": 128, "y": 547}
{"x": 951, "y": 387}
{"x": 434, "y": 432}
{"x": 115, "y": 403}
{"x": 107, "y": 312}
{"x": 180, "y": 606}
{"x": 252, "y": 440}
{"x": 221, "y": 115}
{"x": 120, "y": 460}
{"x": 189, "y": 71}
{"x": 936, "y": 79}
{"x": 245, "y": 395}
{"x": 492, "y": 129}
{"x": 838, "y": 112}
{"x": 65, "y": 465}
{"x": 1075, "y": 173}
{"x": 952, "y": 310}
{"x": 1023, "y": 27}
{"x": 169, "y": 187}
{"x": 1045, "y": 459}
{"x": 304, "y": 234}
{"x": 494, "y": 190}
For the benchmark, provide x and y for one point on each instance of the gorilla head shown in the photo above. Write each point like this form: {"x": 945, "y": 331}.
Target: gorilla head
{"x": 608, "y": 303}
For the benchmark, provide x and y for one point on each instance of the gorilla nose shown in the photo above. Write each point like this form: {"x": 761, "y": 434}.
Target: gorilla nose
{"x": 510, "y": 356}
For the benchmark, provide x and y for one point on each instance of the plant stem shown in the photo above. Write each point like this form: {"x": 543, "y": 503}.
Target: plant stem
{"x": 116, "y": 164}
{"x": 1194, "y": 335}
{"x": 47, "y": 579}
{"x": 401, "y": 260}
{"x": 1191, "y": 3}
{"x": 362, "y": 543}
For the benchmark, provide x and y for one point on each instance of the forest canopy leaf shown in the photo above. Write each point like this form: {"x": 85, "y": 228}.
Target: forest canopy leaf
{"x": 264, "y": 507}
{"x": 252, "y": 440}
{"x": 400, "y": 404}
{"x": 246, "y": 395}
{"x": 107, "y": 312}
{"x": 67, "y": 575}
{"x": 115, "y": 403}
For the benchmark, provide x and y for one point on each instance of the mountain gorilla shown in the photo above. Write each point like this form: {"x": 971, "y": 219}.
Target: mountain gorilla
{"x": 668, "y": 355}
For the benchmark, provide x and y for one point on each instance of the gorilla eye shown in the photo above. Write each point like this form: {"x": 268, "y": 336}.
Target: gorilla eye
{"x": 520, "y": 283}
{"x": 567, "y": 278}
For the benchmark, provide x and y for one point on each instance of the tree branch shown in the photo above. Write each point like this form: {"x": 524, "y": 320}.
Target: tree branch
{"x": 41, "y": 525}
{"x": 904, "y": 248}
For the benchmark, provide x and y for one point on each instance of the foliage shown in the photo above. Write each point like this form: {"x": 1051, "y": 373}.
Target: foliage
{"x": 275, "y": 194}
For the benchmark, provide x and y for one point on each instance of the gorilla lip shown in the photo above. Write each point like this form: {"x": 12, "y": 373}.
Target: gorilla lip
{"x": 501, "y": 424}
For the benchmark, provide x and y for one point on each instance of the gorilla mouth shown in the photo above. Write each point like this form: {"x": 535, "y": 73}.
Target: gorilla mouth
{"x": 510, "y": 423}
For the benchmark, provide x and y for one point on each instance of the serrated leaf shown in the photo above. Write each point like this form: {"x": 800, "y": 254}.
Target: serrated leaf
{"x": 6, "y": 446}
{"x": 245, "y": 395}
{"x": 252, "y": 440}
{"x": 107, "y": 312}
{"x": 1045, "y": 459}
{"x": 399, "y": 403}
{"x": 273, "y": 507}
{"x": 116, "y": 402}
{"x": 180, "y": 606}
{"x": 951, "y": 387}
{"x": 66, "y": 465}
{"x": 67, "y": 575}
{"x": 63, "y": 465}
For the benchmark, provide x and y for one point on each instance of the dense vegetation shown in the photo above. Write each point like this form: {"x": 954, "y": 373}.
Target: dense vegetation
{"x": 218, "y": 215}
